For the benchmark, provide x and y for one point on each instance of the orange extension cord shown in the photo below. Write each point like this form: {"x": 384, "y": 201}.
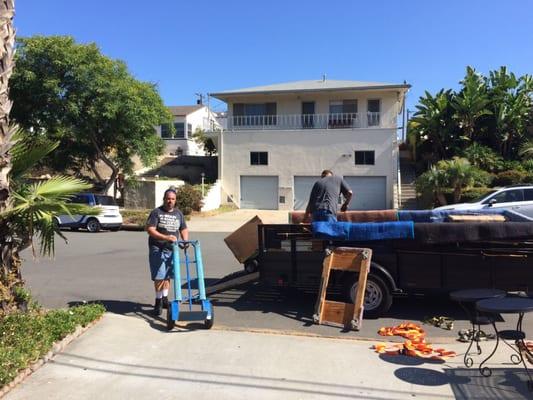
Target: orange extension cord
{"x": 414, "y": 346}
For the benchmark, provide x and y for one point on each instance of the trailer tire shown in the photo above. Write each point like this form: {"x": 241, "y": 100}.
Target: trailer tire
{"x": 378, "y": 297}
{"x": 208, "y": 323}
{"x": 170, "y": 322}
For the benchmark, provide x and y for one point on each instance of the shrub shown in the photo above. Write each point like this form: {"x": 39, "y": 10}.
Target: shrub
{"x": 511, "y": 177}
{"x": 483, "y": 157}
{"x": 527, "y": 165}
{"x": 188, "y": 199}
{"x": 474, "y": 193}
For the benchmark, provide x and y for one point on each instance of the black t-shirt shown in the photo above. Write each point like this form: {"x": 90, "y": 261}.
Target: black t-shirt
{"x": 167, "y": 223}
{"x": 325, "y": 193}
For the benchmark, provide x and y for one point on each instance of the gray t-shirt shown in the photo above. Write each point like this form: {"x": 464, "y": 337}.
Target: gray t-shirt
{"x": 325, "y": 193}
{"x": 167, "y": 223}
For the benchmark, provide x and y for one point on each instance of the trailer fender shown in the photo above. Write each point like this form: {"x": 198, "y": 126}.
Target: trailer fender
{"x": 379, "y": 270}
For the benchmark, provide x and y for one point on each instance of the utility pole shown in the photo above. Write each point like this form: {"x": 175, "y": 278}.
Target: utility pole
{"x": 200, "y": 98}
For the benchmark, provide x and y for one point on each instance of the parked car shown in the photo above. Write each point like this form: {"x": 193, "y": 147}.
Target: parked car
{"x": 109, "y": 218}
{"x": 518, "y": 198}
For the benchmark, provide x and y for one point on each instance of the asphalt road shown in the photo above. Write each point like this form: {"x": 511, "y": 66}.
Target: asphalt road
{"x": 111, "y": 267}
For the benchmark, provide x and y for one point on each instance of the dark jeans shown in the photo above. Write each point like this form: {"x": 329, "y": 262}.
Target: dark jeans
{"x": 324, "y": 215}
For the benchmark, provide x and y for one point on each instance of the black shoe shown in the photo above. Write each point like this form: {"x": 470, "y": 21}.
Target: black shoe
{"x": 165, "y": 302}
{"x": 158, "y": 307}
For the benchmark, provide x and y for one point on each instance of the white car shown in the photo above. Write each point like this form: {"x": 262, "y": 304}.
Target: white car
{"x": 518, "y": 198}
{"x": 109, "y": 218}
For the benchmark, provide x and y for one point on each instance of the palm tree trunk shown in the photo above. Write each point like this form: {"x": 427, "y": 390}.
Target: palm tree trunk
{"x": 9, "y": 261}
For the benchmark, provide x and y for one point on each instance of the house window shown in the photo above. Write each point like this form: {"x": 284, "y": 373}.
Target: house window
{"x": 342, "y": 113}
{"x": 374, "y": 109}
{"x": 178, "y": 134}
{"x": 364, "y": 158}
{"x": 254, "y": 114}
{"x": 258, "y": 158}
{"x": 189, "y": 131}
{"x": 165, "y": 131}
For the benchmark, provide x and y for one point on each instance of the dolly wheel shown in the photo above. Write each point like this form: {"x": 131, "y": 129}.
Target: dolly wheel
{"x": 170, "y": 322}
{"x": 208, "y": 323}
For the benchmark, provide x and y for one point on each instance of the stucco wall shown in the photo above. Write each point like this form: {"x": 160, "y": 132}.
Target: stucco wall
{"x": 147, "y": 194}
{"x": 306, "y": 153}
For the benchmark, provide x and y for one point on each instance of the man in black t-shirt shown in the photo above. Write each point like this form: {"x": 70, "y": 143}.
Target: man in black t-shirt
{"x": 164, "y": 225}
{"x": 322, "y": 205}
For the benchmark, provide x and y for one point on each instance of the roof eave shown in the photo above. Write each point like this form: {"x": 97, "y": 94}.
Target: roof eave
{"x": 225, "y": 95}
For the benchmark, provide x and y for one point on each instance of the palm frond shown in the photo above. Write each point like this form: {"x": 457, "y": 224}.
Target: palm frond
{"x": 25, "y": 156}
{"x": 60, "y": 188}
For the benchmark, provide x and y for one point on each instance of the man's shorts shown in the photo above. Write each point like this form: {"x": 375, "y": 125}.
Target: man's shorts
{"x": 160, "y": 260}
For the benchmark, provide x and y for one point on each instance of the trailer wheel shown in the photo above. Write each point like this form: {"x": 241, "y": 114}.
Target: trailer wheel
{"x": 250, "y": 266}
{"x": 378, "y": 297}
{"x": 170, "y": 322}
{"x": 208, "y": 323}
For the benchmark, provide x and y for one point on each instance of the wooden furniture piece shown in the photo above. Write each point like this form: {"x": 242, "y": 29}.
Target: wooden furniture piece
{"x": 347, "y": 315}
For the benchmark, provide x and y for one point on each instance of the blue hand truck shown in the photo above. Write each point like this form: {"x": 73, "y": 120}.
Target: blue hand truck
{"x": 173, "y": 312}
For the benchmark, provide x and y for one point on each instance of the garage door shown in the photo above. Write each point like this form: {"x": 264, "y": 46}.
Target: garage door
{"x": 370, "y": 192}
{"x": 302, "y": 189}
{"x": 259, "y": 192}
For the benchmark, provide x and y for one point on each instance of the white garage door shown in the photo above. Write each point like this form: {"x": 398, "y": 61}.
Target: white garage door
{"x": 259, "y": 192}
{"x": 370, "y": 192}
{"x": 302, "y": 189}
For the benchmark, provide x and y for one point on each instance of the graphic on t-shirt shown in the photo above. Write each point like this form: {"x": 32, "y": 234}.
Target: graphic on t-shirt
{"x": 168, "y": 222}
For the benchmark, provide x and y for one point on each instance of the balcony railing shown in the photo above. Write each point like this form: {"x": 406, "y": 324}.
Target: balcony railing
{"x": 303, "y": 121}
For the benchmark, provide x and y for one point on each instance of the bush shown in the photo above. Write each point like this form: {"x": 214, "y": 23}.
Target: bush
{"x": 474, "y": 193}
{"x": 137, "y": 217}
{"x": 24, "y": 337}
{"x": 511, "y": 177}
{"x": 188, "y": 199}
{"x": 483, "y": 157}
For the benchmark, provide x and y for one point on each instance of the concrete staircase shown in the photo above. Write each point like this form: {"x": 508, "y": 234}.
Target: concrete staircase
{"x": 408, "y": 176}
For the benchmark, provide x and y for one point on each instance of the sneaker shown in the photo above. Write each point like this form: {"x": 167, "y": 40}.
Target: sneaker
{"x": 158, "y": 307}
{"x": 165, "y": 302}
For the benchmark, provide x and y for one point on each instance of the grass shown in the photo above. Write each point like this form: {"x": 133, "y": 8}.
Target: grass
{"x": 27, "y": 336}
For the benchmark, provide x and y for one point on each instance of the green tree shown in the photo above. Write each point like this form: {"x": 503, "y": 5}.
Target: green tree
{"x": 31, "y": 213}
{"x": 205, "y": 141}
{"x": 460, "y": 175}
{"x": 434, "y": 181}
{"x": 471, "y": 103}
{"x": 88, "y": 102}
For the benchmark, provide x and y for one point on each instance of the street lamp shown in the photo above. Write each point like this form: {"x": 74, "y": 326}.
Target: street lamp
{"x": 203, "y": 177}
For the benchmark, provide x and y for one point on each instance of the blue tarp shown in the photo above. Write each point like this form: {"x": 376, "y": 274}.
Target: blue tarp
{"x": 354, "y": 231}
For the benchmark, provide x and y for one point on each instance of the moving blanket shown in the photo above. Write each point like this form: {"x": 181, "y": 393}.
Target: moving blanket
{"x": 442, "y": 216}
{"x": 472, "y": 232}
{"x": 296, "y": 217}
{"x": 363, "y": 231}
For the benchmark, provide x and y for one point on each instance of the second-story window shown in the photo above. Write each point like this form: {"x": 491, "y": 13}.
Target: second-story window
{"x": 165, "y": 131}
{"x": 254, "y": 114}
{"x": 180, "y": 130}
{"x": 258, "y": 158}
{"x": 189, "y": 131}
{"x": 374, "y": 109}
{"x": 342, "y": 113}
{"x": 364, "y": 158}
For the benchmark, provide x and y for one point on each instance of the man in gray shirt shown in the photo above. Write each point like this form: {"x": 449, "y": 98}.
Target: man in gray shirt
{"x": 324, "y": 196}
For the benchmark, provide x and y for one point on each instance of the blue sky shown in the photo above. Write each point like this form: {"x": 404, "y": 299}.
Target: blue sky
{"x": 189, "y": 47}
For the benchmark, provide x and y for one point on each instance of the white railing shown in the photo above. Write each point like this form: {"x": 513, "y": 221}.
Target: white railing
{"x": 302, "y": 121}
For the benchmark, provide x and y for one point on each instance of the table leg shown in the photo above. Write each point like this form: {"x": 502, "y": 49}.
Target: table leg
{"x": 486, "y": 371}
{"x": 521, "y": 346}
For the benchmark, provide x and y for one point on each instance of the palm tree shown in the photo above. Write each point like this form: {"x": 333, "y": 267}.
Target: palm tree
{"x": 7, "y": 259}
{"x": 471, "y": 103}
{"x": 433, "y": 181}
{"x": 460, "y": 175}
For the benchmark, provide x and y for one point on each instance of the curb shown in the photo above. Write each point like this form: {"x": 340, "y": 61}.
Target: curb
{"x": 56, "y": 348}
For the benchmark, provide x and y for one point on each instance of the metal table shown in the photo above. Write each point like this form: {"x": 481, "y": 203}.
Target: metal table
{"x": 467, "y": 299}
{"x": 508, "y": 305}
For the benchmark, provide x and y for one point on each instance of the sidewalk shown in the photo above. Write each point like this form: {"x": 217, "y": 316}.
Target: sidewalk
{"x": 134, "y": 358}
{"x": 230, "y": 221}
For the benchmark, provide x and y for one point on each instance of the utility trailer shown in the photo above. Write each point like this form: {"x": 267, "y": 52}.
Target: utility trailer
{"x": 443, "y": 257}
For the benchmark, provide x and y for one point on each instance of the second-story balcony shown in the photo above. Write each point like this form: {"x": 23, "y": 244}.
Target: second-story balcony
{"x": 303, "y": 121}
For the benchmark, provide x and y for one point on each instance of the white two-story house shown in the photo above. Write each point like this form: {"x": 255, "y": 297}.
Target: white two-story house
{"x": 187, "y": 119}
{"x": 280, "y": 137}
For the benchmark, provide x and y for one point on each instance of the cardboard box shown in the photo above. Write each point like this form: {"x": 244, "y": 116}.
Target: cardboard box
{"x": 244, "y": 242}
